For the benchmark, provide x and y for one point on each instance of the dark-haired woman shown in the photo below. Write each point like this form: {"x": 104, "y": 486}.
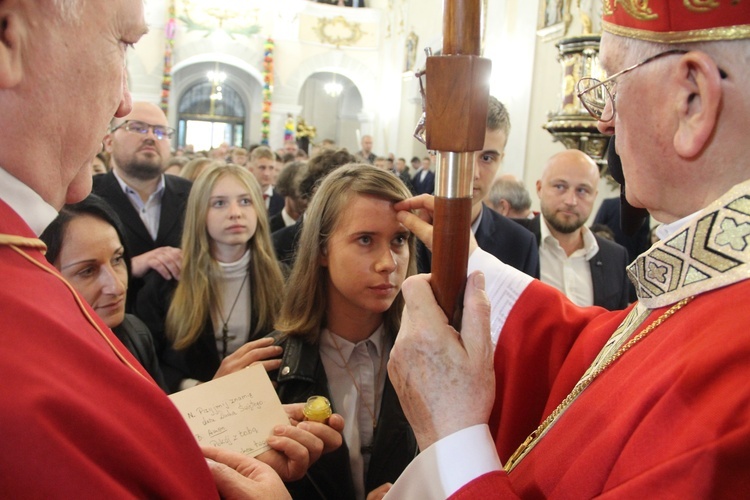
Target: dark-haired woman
{"x": 85, "y": 243}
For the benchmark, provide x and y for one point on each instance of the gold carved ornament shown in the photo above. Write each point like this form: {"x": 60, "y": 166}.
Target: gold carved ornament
{"x": 338, "y": 31}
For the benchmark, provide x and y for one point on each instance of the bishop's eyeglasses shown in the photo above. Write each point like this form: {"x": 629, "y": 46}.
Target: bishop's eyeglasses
{"x": 598, "y": 97}
{"x": 138, "y": 127}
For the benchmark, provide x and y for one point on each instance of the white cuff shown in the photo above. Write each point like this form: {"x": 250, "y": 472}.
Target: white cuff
{"x": 448, "y": 465}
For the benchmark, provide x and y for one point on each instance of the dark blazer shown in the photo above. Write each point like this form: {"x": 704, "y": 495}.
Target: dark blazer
{"x": 137, "y": 238}
{"x": 360, "y": 155}
{"x": 427, "y": 185}
{"x": 405, "y": 178}
{"x": 137, "y": 339}
{"x": 275, "y": 204}
{"x": 499, "y": 236}
{"x": 201, "y": 359}
{"x": 609, "y": 215}
{"x": 302, "y": 375}
{"x": 285, "y": 243}
{"x": 276, "y": 222}
{"x": 608, "y": 275}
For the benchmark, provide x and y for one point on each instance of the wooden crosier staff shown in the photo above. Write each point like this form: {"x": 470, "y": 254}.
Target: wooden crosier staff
{"x": 457, "y": 93}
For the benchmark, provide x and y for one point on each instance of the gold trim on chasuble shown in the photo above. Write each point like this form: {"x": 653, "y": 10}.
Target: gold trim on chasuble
{"x": 17, "y": 243}
{"x": 710, "y": 252}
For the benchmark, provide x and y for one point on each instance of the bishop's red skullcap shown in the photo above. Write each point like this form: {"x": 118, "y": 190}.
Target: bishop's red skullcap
{"x": 677, "y": 21}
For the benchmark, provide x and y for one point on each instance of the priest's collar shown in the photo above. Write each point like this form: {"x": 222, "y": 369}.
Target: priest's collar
{"x": 35, "y": 212}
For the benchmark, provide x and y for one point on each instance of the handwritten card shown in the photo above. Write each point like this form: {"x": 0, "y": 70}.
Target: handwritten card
{"x": 237, "y": 412}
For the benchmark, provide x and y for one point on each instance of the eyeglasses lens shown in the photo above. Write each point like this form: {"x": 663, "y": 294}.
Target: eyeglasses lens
{"x": 142, "y": 128}
{"x": 596, "y": 98}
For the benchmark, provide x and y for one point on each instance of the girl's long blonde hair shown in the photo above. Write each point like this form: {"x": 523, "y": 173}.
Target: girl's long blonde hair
{"x": 198, "y": 295}
{"x": 306, "y": 298}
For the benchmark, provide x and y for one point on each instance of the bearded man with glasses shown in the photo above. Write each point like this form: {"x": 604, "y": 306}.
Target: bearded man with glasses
{"x": 150, "y": 204}
{"x": 538, "y": 398}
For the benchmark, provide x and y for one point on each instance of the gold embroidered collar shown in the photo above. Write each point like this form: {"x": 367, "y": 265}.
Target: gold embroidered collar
{"x": 710, "y": 252}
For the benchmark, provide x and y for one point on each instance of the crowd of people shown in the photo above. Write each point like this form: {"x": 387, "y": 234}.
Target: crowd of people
{"x": 183, "y": 267}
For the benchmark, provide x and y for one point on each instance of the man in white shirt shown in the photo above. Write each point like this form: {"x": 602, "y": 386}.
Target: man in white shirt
{"x": 589, "y": 269}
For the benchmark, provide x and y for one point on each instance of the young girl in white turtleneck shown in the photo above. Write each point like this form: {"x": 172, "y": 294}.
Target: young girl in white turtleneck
{"x": 230, "y": 287}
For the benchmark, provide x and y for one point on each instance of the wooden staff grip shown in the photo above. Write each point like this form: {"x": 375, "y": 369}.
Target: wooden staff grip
{"x": 450, "y": 255}
{"x": 457, "y": 93}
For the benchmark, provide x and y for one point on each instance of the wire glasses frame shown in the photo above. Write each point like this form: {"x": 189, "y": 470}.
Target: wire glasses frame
{"x": 598, "y": 97}
{"x": 138, "y": 127}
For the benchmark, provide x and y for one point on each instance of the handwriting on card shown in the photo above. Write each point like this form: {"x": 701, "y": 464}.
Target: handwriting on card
{"x": 237, "y": 411}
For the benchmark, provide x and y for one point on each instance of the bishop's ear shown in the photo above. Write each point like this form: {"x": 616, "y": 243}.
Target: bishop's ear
{"x": 11, "y": 68}
{"x": 698, "y": 100}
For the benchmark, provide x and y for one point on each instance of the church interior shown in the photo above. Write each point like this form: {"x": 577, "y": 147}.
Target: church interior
{"x": 247, "y": 72}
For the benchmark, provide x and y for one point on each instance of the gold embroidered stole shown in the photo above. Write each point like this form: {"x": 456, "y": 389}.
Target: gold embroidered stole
{"x": 710, "y": 252}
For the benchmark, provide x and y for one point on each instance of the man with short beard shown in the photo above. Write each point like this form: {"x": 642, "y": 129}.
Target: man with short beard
{"x": 150, "y": 204}
{"x": 587, "y": 268}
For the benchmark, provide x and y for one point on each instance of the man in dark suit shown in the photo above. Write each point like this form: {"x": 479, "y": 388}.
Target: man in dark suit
{"x": 150, "y": 204}
{"x": 287, "y": 185}
{"x": 263, "y": 165}
{"x": 589, "y": 269}
{"x": 401, "y": 170}
{"x": 424, "y": 180}
{"x": 494, "y": 233}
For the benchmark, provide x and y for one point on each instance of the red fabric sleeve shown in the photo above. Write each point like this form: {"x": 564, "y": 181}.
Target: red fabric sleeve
{"x": 538, "y": 335}
{"x": 77, "y": 422}
{"x": 492, "y": 485}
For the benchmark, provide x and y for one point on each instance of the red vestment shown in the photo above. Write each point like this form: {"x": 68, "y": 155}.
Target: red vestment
{"x": 670, "y": 418}
{"x": 76, "y": 421}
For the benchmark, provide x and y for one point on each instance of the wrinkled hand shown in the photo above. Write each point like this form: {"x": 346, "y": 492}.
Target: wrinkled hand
{"x": 166, "y": 261}
{"x": 379, "y": 492}
{"x": 420, "y": 220}
{"x": 295, "y": 447}
{"x": 445, "y": 382}
{"x": 252, "y": 352}
{"x": 238, "y": 476}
